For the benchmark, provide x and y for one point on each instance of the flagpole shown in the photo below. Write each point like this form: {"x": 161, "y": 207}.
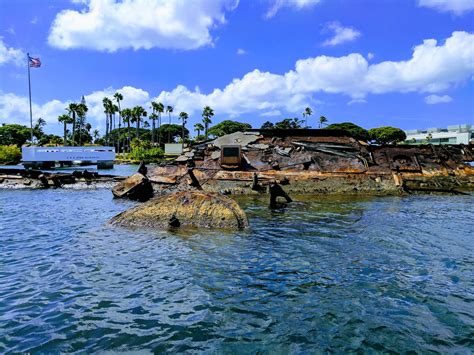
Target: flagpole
{"x": 29, "y": 90}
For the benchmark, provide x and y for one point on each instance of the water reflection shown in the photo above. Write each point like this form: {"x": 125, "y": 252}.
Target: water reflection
{"x": 324, "y": 273}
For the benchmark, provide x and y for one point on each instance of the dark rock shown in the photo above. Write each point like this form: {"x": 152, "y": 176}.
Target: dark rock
{"x": 135, "y": 187}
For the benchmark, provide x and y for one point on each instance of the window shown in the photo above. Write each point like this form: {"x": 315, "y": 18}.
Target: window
{"x": 231, "y": 152}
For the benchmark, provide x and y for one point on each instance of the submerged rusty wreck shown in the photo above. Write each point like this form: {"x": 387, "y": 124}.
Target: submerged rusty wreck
{"x": 310, "y": 161}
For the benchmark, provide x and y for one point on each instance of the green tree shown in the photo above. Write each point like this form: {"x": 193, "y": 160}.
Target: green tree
{"x": 172, "y": 132}
{"x": 55, "y": 140}
{"x": 288, "y": 123}
{"x": 153, "y": 118}
{"x": 108, "y": 108}
{"x": 122, "y": 134}
{"x": 307, "y": 113}
{"x": 38, "y": 128}
{"x": 352, "y": 130}
{"x": 387, "y": 135}
{"x": 10, "y": 154}
{"x": 198, "y": 128}
{"x": 267, "y": 125}
{"x": 119, "y": 97}
{"x": 183, "y": 116}
{"x": 14, "y": 134}
{"x": 228, "y": 127}
{"x": 169, "y": 111}
{"x": 207, "y": 113}
{"x": 72, "y": 110}
{"x": 65, "y": 120}
{"x": 137, "y": 113}
{"x": 49, "y": 140}
{"x": 127, "y": 118}
{"x": 160, "y": 109}
{"x": 322, "y": 121}
{"x": 81, "y": 114}
{"x": 96, "y": 135}
{"x": 112, "y": 124}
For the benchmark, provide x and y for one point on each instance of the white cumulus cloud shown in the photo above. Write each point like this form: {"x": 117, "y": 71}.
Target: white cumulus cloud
{"x": 241, "y": 51}
{"x": 109, "y": 25}
{"x": 458, "y": 7}
{"x": 11, "y": 55}
{"x": 432, "y": 68}
{"x": 437, "y": 99}
{"x": 15, "y": 109}
{"x": 340, "y": 33}
{"x": 277, "y": 5}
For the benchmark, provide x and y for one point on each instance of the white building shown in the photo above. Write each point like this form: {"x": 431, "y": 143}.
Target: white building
{"x": 458, "y": 134}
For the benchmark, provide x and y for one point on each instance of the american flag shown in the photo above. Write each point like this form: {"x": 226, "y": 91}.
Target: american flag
{"x": 34, "y": 62}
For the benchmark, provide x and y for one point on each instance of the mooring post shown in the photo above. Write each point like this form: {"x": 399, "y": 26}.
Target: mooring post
{"x": 142, "y": 169}
{"x": 194, "y": 181}
{"x": 275, "y": 191}
{"x": 255, "y": 185}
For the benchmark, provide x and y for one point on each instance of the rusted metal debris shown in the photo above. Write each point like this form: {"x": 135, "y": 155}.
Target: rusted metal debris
{"x": 12, "y": 178}
{"x": 135, "y": 187}
{"x": 311, "y": 161}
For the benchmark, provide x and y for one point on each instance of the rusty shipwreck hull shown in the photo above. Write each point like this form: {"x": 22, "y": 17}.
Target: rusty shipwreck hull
{"x": 319, "y": 164}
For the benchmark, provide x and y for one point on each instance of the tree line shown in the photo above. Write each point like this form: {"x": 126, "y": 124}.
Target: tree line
{"x": 119, "y": 121}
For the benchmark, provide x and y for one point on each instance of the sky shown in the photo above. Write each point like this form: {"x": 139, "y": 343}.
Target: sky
{"x": 404, "y": 63}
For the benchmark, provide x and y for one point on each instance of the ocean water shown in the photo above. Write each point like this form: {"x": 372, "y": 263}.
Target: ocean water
{"x": 323, "y": 274}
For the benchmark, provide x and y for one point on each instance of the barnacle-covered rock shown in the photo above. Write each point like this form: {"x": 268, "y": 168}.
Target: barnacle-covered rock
{"x": 185, "y": 209}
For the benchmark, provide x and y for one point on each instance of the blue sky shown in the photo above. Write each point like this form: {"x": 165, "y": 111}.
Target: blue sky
{"x": 406, "y": 63}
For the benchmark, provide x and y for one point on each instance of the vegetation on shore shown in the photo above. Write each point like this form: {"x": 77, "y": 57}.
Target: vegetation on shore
{"x": 9, "y": 154}
{"x": 146, "y": 141}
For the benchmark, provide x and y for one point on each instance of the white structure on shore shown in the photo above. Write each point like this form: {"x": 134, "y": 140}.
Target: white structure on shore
{"x": 457, "y": 134}
{"x": 46, "y": 157}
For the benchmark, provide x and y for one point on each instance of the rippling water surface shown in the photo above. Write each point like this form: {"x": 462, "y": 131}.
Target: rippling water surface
{"x": 337, "y": 274}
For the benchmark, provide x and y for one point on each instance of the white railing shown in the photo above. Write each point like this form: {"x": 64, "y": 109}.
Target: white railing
{"x": 44, "y": 154}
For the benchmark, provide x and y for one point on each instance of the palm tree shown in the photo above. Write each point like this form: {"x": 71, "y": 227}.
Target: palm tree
{"x": 55, "y": 140}
{"x": 207, "y": 113}
{"x": 153, "y": 117}
{"x": 95, "y": 134}
{"x": 65, "y": 119}
{"x": 137, "y": 113}
{"x": 183, "y": 116}
{"x": 113, "y": 111}
{"x": 72, "y": 108}
{"x": 160, "y": 109}
{"x": 118, "y": 97}
{"x": 307, "y": 112}
{"x": 169, "y": 110}
{"x": 81, "y": 113}
{"x": 107, "y": 109}
{"x": 127, "y": 117}
{"x": 198, "y": 127}
{"x": 322, "y": 121}
{"x": 38, "y": 128}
